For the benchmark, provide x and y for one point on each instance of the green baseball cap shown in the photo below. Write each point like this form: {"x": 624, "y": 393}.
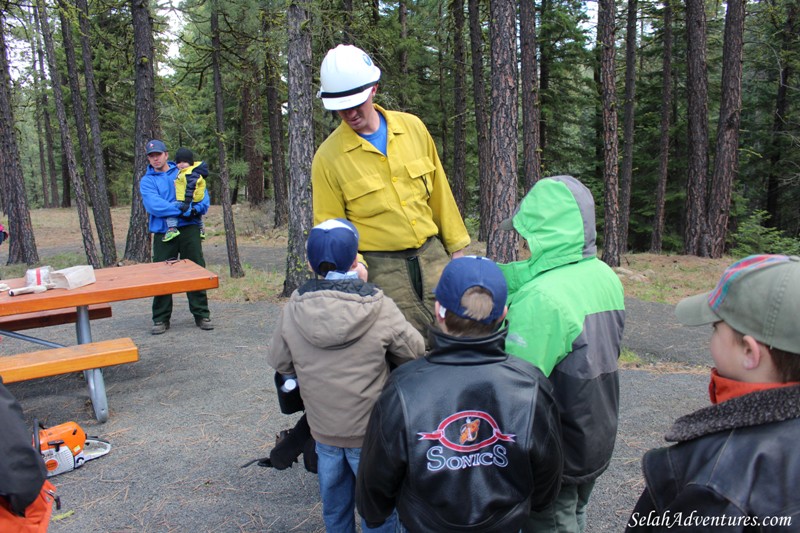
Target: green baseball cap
{"x": 757, "y": 296}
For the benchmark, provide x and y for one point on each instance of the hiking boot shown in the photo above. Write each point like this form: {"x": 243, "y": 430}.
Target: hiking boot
{"x": 203, "y": 323}
{"x": 170, "y": 234}
{"x": 160, "y": 328}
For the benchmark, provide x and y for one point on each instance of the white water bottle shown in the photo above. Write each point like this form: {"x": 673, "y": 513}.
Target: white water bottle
{"x": 289, "y": 383}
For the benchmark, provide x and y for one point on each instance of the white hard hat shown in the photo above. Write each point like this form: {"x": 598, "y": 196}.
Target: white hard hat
{"x": 346, "y": 76}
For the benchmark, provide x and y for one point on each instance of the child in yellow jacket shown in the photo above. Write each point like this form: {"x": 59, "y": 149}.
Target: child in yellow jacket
{"x": 190, "y": 186}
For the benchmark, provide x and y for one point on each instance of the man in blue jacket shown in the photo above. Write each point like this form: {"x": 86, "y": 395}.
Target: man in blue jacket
{"x": 158, "y": 195}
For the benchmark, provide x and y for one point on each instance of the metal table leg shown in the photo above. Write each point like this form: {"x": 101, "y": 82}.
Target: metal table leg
{"x": 94, "y": 378}
{"x": 97, "y": 393}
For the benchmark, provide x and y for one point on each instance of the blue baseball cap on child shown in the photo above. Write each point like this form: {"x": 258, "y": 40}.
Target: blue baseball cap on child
{"x": 155, "y": 146}
{"x": 333, "y": 241}
{"x": 467, "y": 272}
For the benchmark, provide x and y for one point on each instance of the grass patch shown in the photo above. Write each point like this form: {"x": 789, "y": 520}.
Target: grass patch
{"x": 57, "y": 262}
{"x": 256, "y": 285}
{"x": 628, "y": 357}
{"x": 670, "y": 278}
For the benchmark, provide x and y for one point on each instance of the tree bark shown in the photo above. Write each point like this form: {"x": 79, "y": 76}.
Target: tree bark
{"x": 531, "y": 115}
{"x": 273, "y": 80}
{"x": 301, "y": 142}
{"x": 605, "y": 39}
{"x": 105, "y": 227}
{"x": 458, "y": 177}
{"x": 137, "y": 245}
{"x": 544, "y": 86}
{"x": 502, "y": 245}
{"x": 68, "y": 157}
{"x": 48, "y": 125}
{"x": 22, "y": 245}
{"x": 626, "y": 172}
{"x": 726, "y": 163}
{"x": 441, "y": 40}
{"x": 102, "y": 214}
{"x": 697, "y": 96}
{"x": 39, "y": 126}
{"x": 481, "y": 117}
{"x": 776, "y": 170}
{"x": 666, "y": 110}
{"x": 253, "y": 127}
{"x": 402, "y": 12}
{"x": 227, "y": 212}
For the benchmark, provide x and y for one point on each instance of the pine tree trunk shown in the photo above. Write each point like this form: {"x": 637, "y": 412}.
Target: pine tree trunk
{"x": 726, "y": 163}
{"x": 137, "y": 244}
{"x": 481, "y": 116}
{"x": 777, "y": 145}
{"x": 605, "y": 40}
{"x": 444, "y": 120}
{"x": 666, "y": 110}
{"x": 301, "y": 143}
{"x": 101, "y": 211}
{"x": 458, "y": 177}
{"x": 39, "y": 126}
{"x": 275, "y": 115}
{"x": 252, "y": 125}
{"x": 626, "y": 172}
{"x": 697, "y": 95}
{"x": 501, "y": 245}
{"x": 48, "y": 126}
{"x": 531, "y": 156}
{"x": 68, "y": 157}
{"x": 21, "y": 245}
{"x": 104, "y": 223}
{"x": 234, "y": 262}
{"x": 402, "y": 12}
{"x": 544, "y": 86}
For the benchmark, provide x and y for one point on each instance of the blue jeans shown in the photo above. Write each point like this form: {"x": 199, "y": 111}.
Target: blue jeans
{"x": 336, "y": 469}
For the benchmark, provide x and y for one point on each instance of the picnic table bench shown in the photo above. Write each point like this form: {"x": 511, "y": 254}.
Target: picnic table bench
{"x": 81, "y": 305}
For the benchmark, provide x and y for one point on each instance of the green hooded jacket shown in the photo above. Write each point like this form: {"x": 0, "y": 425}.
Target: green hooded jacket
{"x": 566, "y": 316}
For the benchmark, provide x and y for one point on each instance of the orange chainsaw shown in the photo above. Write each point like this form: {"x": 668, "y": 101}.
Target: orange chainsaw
{"x": 66, "y": 447}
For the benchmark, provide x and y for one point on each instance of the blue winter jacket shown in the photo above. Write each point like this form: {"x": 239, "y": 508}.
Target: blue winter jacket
{"x": 158, "y": 196}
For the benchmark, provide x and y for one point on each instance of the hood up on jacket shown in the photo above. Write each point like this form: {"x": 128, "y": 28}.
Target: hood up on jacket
{"x": 557, "y": 219}
{"x": 341, "y": 312}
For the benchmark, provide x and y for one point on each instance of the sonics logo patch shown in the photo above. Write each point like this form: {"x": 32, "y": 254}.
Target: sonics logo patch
{"x": 467, "y": 431}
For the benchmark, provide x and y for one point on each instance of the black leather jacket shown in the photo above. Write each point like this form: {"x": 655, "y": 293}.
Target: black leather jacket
{"x": 466, "y": 439}
{"x": 738, "y": 459}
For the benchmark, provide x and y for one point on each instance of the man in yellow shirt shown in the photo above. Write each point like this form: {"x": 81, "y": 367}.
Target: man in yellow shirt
{"x": 380, "y": 170}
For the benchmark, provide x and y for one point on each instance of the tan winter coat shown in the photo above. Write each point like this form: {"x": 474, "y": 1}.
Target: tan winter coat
{"x": 339, "y": 337}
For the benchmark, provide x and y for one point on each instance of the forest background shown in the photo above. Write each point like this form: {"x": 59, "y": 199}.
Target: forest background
{"x": 682, "y": 117}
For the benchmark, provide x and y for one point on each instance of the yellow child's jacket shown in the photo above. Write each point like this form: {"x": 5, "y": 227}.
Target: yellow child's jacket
{"x": 180, "y": 184}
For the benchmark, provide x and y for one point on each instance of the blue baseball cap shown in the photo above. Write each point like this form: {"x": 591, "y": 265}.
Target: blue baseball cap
{"x": 333, "y": 241}
{"x": 155, "y": 146}
{"x": 467, "y": 272}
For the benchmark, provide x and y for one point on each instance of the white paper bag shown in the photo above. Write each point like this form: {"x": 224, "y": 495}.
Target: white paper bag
{"x": 72, "y": 277}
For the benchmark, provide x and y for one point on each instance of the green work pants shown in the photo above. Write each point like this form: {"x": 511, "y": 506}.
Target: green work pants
{"x": 187, "y": 245}
{"x": 409, "y": 277}
{"x": 567, "y": 514}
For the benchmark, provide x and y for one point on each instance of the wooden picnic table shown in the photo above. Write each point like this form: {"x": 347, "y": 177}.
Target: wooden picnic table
{"x": 112, "y": 284}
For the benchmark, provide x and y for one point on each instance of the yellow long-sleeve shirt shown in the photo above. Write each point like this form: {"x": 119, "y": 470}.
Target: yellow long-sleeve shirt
{"x": 398, "y": 200}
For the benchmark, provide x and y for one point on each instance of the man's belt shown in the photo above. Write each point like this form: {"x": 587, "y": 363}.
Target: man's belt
{"x": 400, "y": 254}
